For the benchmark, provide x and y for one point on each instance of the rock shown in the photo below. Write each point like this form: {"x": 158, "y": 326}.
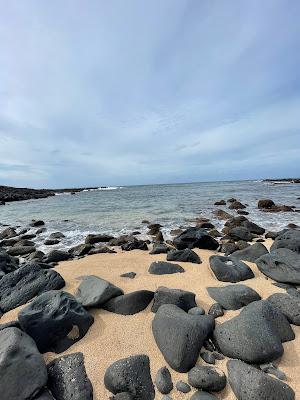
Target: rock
{"x": 249, "y": 383}
{"x": 222, "y": 215}
{"x": 55, "y": 320}
{"x": 242, "y": 212}
{"x": 208, "y": 345}
{"x": 121, "y": 240}
{"x": 179, "y": 336}
{"x": 216, "y": 310}
{"x": 282, "y": 265}
{"x": 200, "y": 395}
{"x": 44, "y": 395}
{"x": 20, "y": 250}
{"x": 206, "y": 225}
{"x": 207, "y": 378}
{"x": 181, "y": 298}
{"x": 80, "y": 250}
{"x": 57, "y": 235}
{"x": 130, "y": 303}
{"x": 163, "y": 268}
{"x": 159, "y": 248}
{"x": 101, "y": 250}
{"x": 186, "y": 255}
{"x": 233, "y": 297}
{"x": 226, "y": 269}
{"x": 255, "y": 335}
{"x": 195, "y": 237}
{"x": 242, "y": 221}
{"x": 272, "y": 370}
{"x": 236, "y": 205}
{"x": 51, "y": 242}
{"x": 40, "y": 230}
{"x": 159, "y": 238}
{"x": 131, "y": 375}
{"x": 97, "y": 238}
{"x": 36, "y": 223}
{"x": 267, "y": 203}
{"x": 163, "y": 381}
{"x": 229, "y": 248}
{"x": 231, "y": 200}
{"x": 293, "y": 292}
{"x": 196, "y": 311}
{"x": 153, "y": 229}
{"x": 94, "y": 291}
{"x": 122, "y": 396}
{"x": 288, "y": 305}
{"x": 220, "y": 203}
{"x": 250, "y": 253}
{"x": 7, "y": 263}
{"x": 240, "y": 233}
{"x": 24, "y": 242}
{"x": 134, "y": 245}
{"x": 20, "y": 286}
{"x": 67, "y": 378}
{"x": 22, "y": 368}
{"x": 289, "y": 239}
{"x": 215, "y": 233}
{"x": 271, "y": 235}
{"x": 130, "y": 275}
{"x": 36, "y": 255}
{"x": 183, "y": 387}
{"x": 8, "y": 233}
{"x": 209, "y": 358}
{"x": 57, "y": 256}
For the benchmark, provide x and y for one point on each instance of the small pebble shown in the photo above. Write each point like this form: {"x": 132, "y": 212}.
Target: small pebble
{"x": 216, "y": 310}
{"x": 218, "y": 356}
{"x": 196, "y": 311}
{"x": 129, "y": 275}
{"x": 208, "y": 357}
{"x": 183, "y": 387}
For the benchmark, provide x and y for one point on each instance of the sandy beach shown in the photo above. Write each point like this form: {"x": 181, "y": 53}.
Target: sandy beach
{"x": 113, "y": 336}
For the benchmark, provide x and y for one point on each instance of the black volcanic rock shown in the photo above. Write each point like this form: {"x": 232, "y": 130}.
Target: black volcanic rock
{"x": 240, "y": 233}
{"x": 233, "y": 297}
{"x": 163, "y": 381}
{"x": 288, "y": 305}
{"x": 22, "y": 368}
{"x": 80, "y": 250}
{"x": 100, "y": 238}
{"x": 7, "y": 263}
{"x": 129, "y": 303}
{"x": 181, "y": 298}
{"x": 131, "y": 375}
{"x": 20, "y": 250}
{"x": 67, "y": 378}
{"x": 207, "y": 378}
{"x": 8, "y": 233}
{"x": 226, "y": 269}
{"x": 134, "y": 244}
{"x": 180, "y": 336}
{"x": 195, "y": 237}
{"x": 249, "y": 383}
{"x": 289, "y": 239}
{"x": 186, "y": 255}
{"x": 250, "y": 253}
{"x": 163, "y": 268}
{"x": 55, "y": 320}
{"x": 57, "y": 256}
{"x": 159, "y": 248}
{"x": 20, "y": 286}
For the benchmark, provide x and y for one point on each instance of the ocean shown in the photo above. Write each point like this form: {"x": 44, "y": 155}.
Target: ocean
{"x": 120, "y": 210}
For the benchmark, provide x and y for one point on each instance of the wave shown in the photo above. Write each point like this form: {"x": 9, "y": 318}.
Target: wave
{"x": 103, "y": 188}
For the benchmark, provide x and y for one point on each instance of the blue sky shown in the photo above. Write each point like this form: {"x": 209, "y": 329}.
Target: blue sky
{"x": 133, "y": 91}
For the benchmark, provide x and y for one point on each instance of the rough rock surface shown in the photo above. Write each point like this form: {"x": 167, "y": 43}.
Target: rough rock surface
{"x": 195, "y": 237}
{"x": 163, "y": 381}
{"x": 289, "y": 239}
{"x": 288, "y": 305}
{"x": 186, "y": 255}
{"x": 129, "y": 303}
{"x": 163, "y": 268}
{"x": 207, "y": 378}
{"x": 250, "y": 253}
{"x": 233, "y": 297}
{"x": 226, "y": 269}
{"x": 181, "y": 298}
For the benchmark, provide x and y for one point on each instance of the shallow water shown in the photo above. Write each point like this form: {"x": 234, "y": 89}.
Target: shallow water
{"x": 121, "y": 210}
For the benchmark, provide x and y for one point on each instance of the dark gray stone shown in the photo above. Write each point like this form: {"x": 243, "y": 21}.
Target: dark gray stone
{"x": 44, "y": 395}
{"x": 94, "y": 291}
{"x": 233, "y": 297}
{"x": 209, "y": 358}
{"x": 249, "y": 383}
{"x": 20, "y": 286}
{"x": 51, "y": 242}
{"x": 67, "y": 378}
{"x": 240, "y": 233}
{"x": 20, "y": 250}
{"x": 159, "y": 248}
{"x": 130, "y": 303}
{"x": 163, "y": 380}
{"x": 186, "y": 255}
{"x": 7, "y": 263}
{"x": 122, "y": 396}
{"x": 131, "y": 375}
{"x": 98, "y": 238}
{"x": 207, "y": 378}
{"x": 55, "y": 320}
{"x": 22, "y": 368}
{"x": 80, "y": 250}
{"x": 180, "y": 336}
{"x": 195, "y": 237}
{"x": 10, "y": 324}
{"x": 216, "y": 310}
{"x": 273, "y": 370}
{"x": 250, "y": 253}
{"x": 134, "y": 244}
{"x": 183, "y": 387}
{"x": 181, "y": 298}
{"x": 226, "y": 269}
{"x": 289, "y": 239}
{"x": 130, "y": 275}
{"x": 196, "y": 311}
{"x": 164, "y": 268}
{"x": 288, "y": 305}
{"x": 57, "y": 256}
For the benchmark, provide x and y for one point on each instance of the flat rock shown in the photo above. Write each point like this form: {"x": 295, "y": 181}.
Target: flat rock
{"x": 289, "y": 239}
{"x": 255, "y": 335}
{"x": 163, "y": 381}
{"x": 159, "y": 248}
{"x": 98, "y": 238}
{"x": 134, "y": 244}
{"x": 181, "y": 298}
{"x": 94, "y": 291}
{"x": 207, "y": 378}
{"x": 195, "y": 237}
{"x": 22, "y": 368}
{"x": 130, "y": 303}
{"x": 249, "y": 383}
{"x": 233, "y": 297}
{"x": 67, "y": 378}
{"x": 281, "y": 265}
{"x": 250, "y": 253}
{"x": 226, "y": 269}
{"x": 288, "y": 305}
{"x": 20, "y": 286}
{"x": 186, "y": 255}
{"x": 20, "y": 250}
{"x": 55, "y": 320}
{"x": 57, "y": 256}
{"x": 131, "y": 375}
{"x": 80, "y": 250}
{"x": 180, "y": 336}
{"x": 164, "y": 268}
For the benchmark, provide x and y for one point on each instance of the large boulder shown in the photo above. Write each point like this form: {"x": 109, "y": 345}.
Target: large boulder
{"x": 80, "y": 250}
{"x": 20, "y": 286}
{"x": 159, "y": 248}
{"x": 20, "y": 250}
{"x": 236, "y": 205}
{"x": 181, "y": 298}
{"x": 186, "y": 255}
{"x": 7, "y": 263}
{"x": 242, "y": 221}
{"x": 207, "y": 378}
{"x": 98, "y": 238}
{"x": 255, "y": 335}
{"x": 94, "y": 291}
{"x": 226, "y": 269}
{"x": 57, "y": 256}
{"x": 265, "y": 203}
{"x": 281, "y": 265}
{"x": 250, "y": 383}
{"x": 8, "y": 233}
{"x": 22, "y": 368}
{"x": 180, "y": 336}
{"x": 67, "y": 378}
{"x": 221, "y": 214}
{"x": 240, "y": 233}
{"x": 289, "y": 239}
{"x": 164, "y": 268}
{"x": 233, "y": 297}
{"x": 130, "y": 303}
{"x": 55, "y": 320}
{"x": 134, "y": 244}
{"x": 195, "y": 237}
{"x": 250, "y": 253}
{"x": 288, "y": 305}
{"x": 131, "y": 375}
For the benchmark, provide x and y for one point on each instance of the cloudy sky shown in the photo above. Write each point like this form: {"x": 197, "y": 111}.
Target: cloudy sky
{"x": 135, "y": 91}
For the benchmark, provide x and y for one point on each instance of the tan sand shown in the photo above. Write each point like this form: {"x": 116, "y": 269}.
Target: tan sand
{"x": 113, "y": 337}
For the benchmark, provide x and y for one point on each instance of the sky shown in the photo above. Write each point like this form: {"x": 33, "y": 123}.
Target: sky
{"x": 126, "y": 92}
